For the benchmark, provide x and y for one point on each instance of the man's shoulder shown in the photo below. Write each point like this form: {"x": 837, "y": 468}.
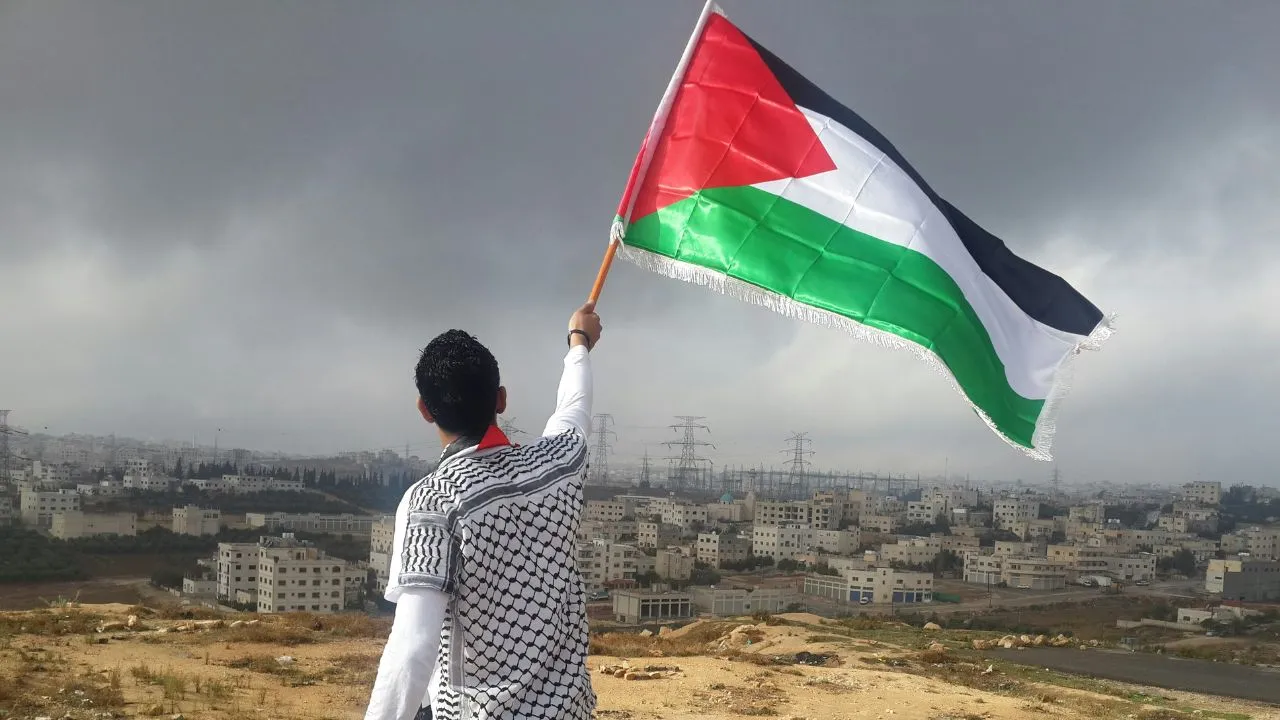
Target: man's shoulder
{"x": 437, "y": 492}
{"x": 565, "y": 444}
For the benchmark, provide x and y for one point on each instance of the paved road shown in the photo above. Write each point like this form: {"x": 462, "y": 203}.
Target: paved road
{"x": 1224, "y": 679}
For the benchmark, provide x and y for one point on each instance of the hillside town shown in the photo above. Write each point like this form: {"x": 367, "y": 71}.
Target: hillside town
{"x": 648, "y": 556}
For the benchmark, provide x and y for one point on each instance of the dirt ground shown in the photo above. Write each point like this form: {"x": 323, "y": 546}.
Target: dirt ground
{"x": 304, "y": 667}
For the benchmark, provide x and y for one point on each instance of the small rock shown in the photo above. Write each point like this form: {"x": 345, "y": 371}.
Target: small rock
{"x": 133, "y": 620}
{"x": 237, "y": 623}
{"x": 664, "y": 631}
{"x": 155, "y": 711}
{"x": 932, "y": 626}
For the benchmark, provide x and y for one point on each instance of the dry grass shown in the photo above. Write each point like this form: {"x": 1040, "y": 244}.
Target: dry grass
{"x": 358, "y": 669}
{"x": 53, "y": 622}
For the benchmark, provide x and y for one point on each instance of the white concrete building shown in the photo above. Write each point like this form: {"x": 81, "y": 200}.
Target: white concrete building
{"x": 1204, "y": 493}
{"x": 780, "y": 542}
{"x": 877, "y": 585}
{"x": 294, "y": 576}
{"x": 195, "y": 520}
{"x": 836, "y": 542}
{"x": 38, "y": 506}
{"x": 715, "y": 549}
{"x": 735, "y": 602}
{"x": 657, "y": 535}
{"x": 603, "y": 511}
{"x": 673, "y": 565}
{"x": 602, "y": 563}
{"x": 1009, "y": 511}
{"x": 73, "y": 524}
{"x": 343, "y": 524}
{"x": 6, "y": 511}
{"x": 381, "y": 538}
{"x": 237, "y": 569}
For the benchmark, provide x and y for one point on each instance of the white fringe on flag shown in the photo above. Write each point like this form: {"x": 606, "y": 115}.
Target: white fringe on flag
{"x": 1042, "y": 439}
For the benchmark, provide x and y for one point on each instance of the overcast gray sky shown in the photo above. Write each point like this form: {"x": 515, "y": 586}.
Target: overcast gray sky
{"x": 252, "y": 215}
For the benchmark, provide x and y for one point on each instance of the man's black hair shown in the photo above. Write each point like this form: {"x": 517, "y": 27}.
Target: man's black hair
{"x": 458, "y": 381}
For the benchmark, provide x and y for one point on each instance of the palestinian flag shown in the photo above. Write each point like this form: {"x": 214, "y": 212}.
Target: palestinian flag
{"x": 756, "y": 183}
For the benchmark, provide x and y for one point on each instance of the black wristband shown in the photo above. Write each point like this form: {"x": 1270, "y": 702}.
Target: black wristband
{"x": 583, "y": 333}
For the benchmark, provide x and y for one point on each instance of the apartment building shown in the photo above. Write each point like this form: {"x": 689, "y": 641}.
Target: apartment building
{"x": 38, "y": 506}
{"x": 1086, "y": 560}
{"x": 777, "y": 513}
{"x": 715, "y": 549}
{"x": 969, "y": 518}
{"x": 1036, "y": 529}
{"x": 6, "y": 511}
{"x": 50, "y": 475}
{"x": 827, "y": 510}
{"x": 73, "y": 524}
{"x": 780, "y": 542}
{"x": 884, "y": 524}
{"x": 1243, "y": 579}
{"x": 836, "y": 542}
{"x": 248, "y": 484}
{"x": 343, "y": 524}
{"x": 1008, "y": 511}
{"x": 925, "y": 512}
{"x": 294, "y": 576}
{"x": 195, "y": 520}
{"x": 911, "y": 551}
{"x": 149, "y": 482}
{"x": 237, "y": 569}
{"x": 689, "y": 517}
{"x": 1204, "y": 493}
{"x": 657, "y": 534}
{"x": 602, "y": 563}
{"x": 1028, "y": 572}
{"x": 604, "y": 511}
{"x": 1091, "y": 513}
{"x": 616, "y": 531}
{"x": 673, "y": 565}
{"x": 381, "y": 537}
{"x": 1260, "y": 543}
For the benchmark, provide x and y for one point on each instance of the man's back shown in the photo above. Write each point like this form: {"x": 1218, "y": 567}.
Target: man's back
{"x": 498, "y": 530}
{"x": 490, "y": 610}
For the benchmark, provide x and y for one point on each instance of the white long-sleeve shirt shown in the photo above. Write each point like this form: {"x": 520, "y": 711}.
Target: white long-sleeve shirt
{"x": 409, "y": 665}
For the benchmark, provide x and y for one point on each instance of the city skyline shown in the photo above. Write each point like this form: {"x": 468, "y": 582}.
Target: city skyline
{"x": 236, "y": 227}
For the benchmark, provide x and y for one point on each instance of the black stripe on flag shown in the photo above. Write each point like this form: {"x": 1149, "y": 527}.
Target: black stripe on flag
{"x": 1039, "y": 293}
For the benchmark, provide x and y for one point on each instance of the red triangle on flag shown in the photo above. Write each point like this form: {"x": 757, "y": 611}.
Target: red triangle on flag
{"x": 730, "y": 124}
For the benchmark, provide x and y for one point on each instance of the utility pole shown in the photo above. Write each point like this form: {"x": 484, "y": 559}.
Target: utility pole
{"x": 798, "y": 472}
{"x": 602, "y": 428}
{"x": 687, "y": 470}
{"x": 644, "y": 469}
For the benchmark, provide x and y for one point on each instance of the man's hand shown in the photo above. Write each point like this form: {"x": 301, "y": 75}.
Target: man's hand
{"x": 586, "y": 320}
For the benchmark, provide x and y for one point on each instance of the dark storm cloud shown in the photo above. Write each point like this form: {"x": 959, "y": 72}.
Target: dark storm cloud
{"x": 245, "y": 213}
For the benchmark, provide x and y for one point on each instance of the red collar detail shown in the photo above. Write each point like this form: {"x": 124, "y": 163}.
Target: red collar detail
{"x": 493, "y": 437}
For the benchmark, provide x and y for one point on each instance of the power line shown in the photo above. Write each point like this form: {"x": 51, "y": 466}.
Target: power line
{"x": 602, "y": 424}
{"x": 687, "y": 469}
{"x": 6, "y": 453}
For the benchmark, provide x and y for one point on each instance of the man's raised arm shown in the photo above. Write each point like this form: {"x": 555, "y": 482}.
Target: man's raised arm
{"x": 573, "y": 398}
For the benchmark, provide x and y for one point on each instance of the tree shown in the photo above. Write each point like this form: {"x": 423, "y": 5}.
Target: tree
{"x": 787, "y": 565}
{"x": 1184, "y": 561}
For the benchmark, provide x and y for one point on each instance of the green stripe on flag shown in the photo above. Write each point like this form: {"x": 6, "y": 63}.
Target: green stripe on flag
{"x": 784, "y": 248}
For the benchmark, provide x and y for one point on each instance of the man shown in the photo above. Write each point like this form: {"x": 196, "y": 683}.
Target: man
{"x": 490, "y": 609}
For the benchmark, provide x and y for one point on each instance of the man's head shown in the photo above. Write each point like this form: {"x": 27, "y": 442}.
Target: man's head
{"x": 458, "y": 385}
